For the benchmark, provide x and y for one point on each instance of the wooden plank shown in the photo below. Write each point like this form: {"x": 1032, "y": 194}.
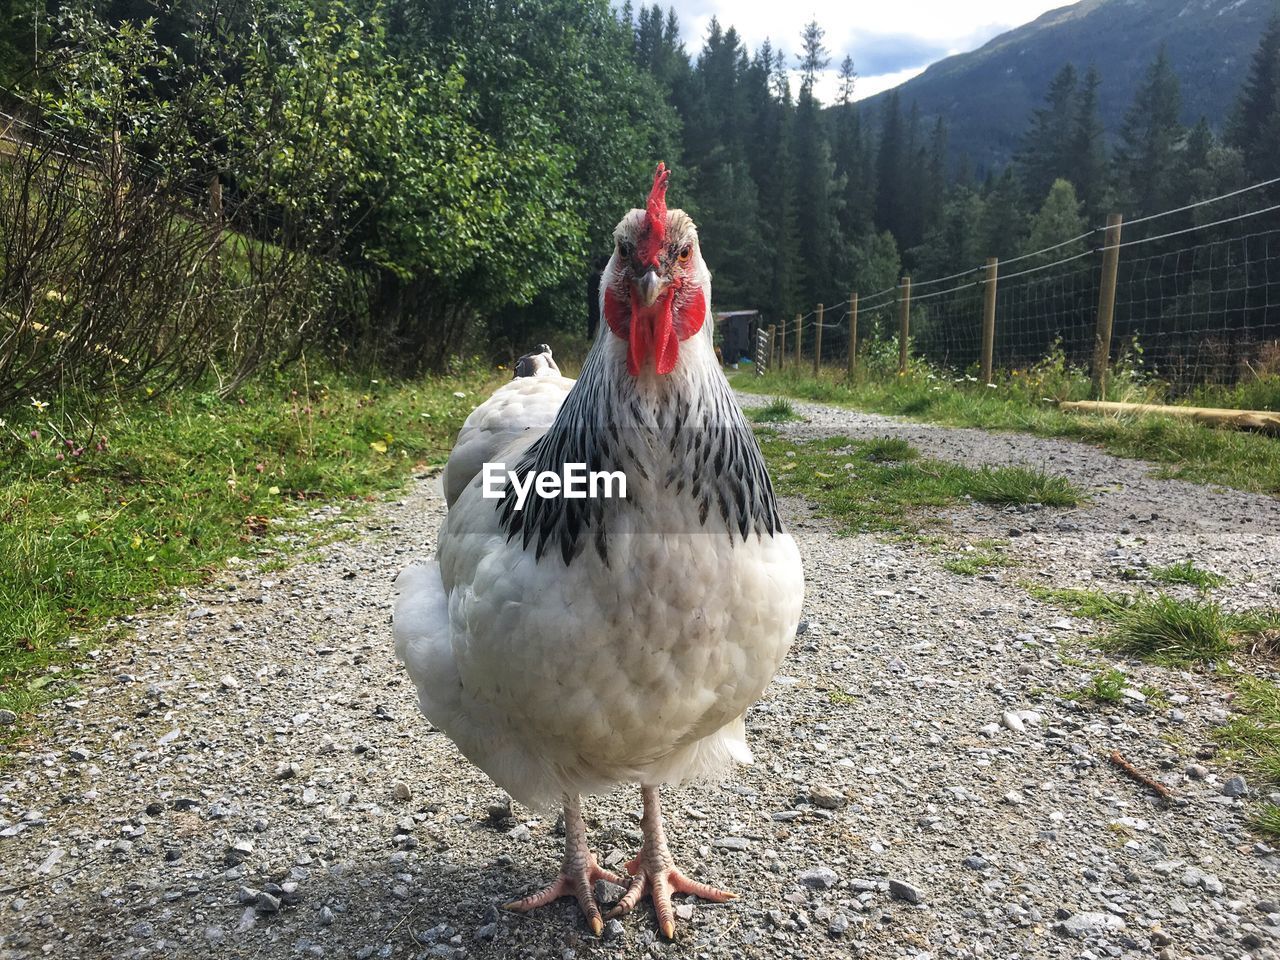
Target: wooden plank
{"x": 1265, "y": 421}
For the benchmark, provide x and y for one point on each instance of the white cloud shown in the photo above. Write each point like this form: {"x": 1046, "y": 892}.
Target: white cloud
{"x": 889, "y": 42}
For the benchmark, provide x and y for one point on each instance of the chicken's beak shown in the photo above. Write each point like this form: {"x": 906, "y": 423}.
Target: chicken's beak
{"x": 649, "y": 287}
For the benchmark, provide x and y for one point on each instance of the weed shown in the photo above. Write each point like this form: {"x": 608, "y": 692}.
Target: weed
{"x": 889, "y": 450}
{"x": 1107, "y": 685}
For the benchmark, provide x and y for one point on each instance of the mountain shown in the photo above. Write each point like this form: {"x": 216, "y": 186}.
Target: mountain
{"x": 987, "y": 95}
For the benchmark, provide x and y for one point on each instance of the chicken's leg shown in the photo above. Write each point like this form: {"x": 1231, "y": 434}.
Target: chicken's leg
{"x": 654, "y": 872}
{"x": 578, "y": 874}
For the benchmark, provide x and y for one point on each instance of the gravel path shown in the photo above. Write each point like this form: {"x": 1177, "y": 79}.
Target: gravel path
{"x": 246, "y": 773}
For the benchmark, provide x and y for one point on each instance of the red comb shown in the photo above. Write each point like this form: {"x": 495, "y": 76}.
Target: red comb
{"x": 655, "y": 217}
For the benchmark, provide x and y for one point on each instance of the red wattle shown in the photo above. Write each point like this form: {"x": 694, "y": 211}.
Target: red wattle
{"x": 654, "y": 331}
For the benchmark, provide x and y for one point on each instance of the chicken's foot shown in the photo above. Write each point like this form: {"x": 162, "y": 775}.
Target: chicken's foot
{"x": 578, "y": 873}
{"x": 653, "y": 872}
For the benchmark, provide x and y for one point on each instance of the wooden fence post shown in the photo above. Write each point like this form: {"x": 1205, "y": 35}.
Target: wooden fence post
{"x": 773, "y": 344}
{"x": 853, "y": 334}
{"x": 817, "y": 344}
{"x": 1106, "y": 306}
{"x": 904, "y": 323}
{"x": 215, "y": 199}
{"x": 989, "y": 318}
{"x": 115, "y": 182}
{"x": 799, "y": 339}
{"x": 782, "y": 343}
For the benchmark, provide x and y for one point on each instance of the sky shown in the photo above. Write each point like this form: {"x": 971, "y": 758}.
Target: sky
{"x": 889, "y": 42}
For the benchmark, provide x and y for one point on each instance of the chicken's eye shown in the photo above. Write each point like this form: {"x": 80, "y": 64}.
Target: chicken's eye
{"x": 685, "y": 253}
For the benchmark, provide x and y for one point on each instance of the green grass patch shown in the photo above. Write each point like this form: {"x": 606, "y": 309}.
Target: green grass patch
{"x": 862, "y": 488}
{"x": 101, "y": 518}
{"x": 777, "y": 410}
{"x": 889, "y": 450}
{"x": 1166, "y": 629}
{"x": 1187, "y": 572}
{"x": 1020, "y": 401}
{"x": 1005, "y": 485}
{"x": 983, "y": 555}
{"x": 1254, "y": 731}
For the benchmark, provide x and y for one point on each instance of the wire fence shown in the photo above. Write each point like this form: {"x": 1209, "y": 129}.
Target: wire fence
{"x": 1188, "y": 306}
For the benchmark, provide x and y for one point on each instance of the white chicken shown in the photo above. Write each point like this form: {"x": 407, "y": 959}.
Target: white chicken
{"x": 578, "y": 644}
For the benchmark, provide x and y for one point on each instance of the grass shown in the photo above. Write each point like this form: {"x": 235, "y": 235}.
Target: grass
{"x": 1254, "y": 731}
{"x": 1187, "y": 572}
{"x": 1005, "y": 485}
{"x": 1188, "y": 451}
{"x": 101, "y": 519}
{"x": 777, "y": 410}
{"x": 1166, "y": 629}
{"x": 856, "y": 484}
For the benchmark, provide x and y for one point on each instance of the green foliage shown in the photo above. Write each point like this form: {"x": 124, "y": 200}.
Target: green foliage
{"x": 1005, "y": 485}
{"x": 976, "y": 558}
{"x": 1057, "y": 222}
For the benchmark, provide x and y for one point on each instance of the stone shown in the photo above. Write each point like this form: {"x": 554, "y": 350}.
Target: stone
{"x": 8, "y": 718}
{"x": 608, "y": 892}
{"x": 825, "y": 797}
{"x": 1089, "y": 924}
{"x": 819, "y": 878}
{"x": 902, "y": 890}
{"x": 400, "y": 790}
{"x": 614, "y": 930}
{"x": 1237, "y": 786}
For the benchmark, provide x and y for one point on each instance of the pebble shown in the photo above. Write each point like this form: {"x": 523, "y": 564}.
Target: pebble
{"x": 1195, "y": 877}
{"x": 820, "y": 878}
{"x": 732, "y": 843}
{"x": 820, "y": 795}
{"x": 400, "y": 790}
{"x": 975, "y": 862}
{"x": 1089, "y": 924}
{"x": 614, "y": 930}
{"x": 8, "y": 718}
{"x": 901, "y": 890}
{"x": 1237, "y": 786}
{"x": 608, "y": 892}
{"x": 1197, "y": 772}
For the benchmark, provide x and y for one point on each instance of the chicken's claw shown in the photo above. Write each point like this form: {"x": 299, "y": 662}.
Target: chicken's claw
{"x": 578, "y": 873}
{"x": 653, "y": 872}
{"x": 575, "y": 881}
